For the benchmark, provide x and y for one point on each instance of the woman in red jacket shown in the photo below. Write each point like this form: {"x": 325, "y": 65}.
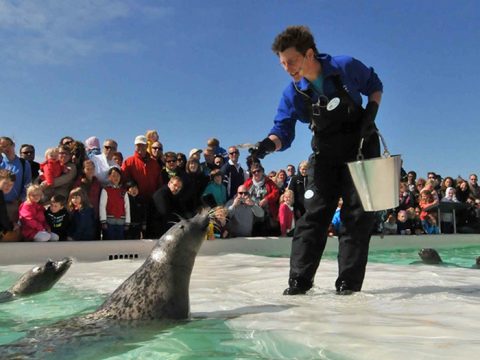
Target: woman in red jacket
{"x": 264, "y": 192}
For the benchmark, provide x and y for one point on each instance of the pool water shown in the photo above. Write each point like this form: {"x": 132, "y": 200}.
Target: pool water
{"x": 460, "y": 256}
{"x": 238, "y": 311}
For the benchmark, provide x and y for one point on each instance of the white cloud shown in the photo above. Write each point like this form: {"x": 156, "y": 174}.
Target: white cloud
{"x": 59, "y": 31}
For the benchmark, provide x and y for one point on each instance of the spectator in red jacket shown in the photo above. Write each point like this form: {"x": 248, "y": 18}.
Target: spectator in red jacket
{"x": 264, "y": 192}
{"x": 146, "y": 172}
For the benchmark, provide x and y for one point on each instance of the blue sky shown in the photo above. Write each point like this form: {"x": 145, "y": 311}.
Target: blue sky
{"x": 197, "y": 69}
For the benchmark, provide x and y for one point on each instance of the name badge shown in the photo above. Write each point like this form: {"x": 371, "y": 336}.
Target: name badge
{"x": 332, "y": 104}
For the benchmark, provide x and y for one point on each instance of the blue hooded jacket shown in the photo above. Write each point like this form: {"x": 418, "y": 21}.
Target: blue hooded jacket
{"x": 357, "y": 78}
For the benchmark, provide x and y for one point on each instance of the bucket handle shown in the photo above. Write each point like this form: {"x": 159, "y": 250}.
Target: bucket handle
{"x": 386, "y": 153}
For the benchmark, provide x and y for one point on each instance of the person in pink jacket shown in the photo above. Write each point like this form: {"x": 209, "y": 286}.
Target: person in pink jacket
{"x": 32, "y": 217}
{"x": 286, "y": 216}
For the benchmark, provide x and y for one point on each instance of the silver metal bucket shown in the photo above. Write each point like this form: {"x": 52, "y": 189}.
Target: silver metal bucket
{"x": 377, "y": 180}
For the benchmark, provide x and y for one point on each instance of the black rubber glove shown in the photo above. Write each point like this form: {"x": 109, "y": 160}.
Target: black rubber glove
{"x": 368, "y": 127}
{"x": 262, "y": 148}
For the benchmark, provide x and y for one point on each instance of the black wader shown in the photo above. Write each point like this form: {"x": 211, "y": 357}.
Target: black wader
{"x": 336, "y": 138}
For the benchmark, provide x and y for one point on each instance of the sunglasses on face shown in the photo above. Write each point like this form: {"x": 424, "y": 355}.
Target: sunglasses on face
{"x": 171, "y": 161}
{"x": 255, "y": 172}
{"x": 108, "y": 147}
{"x": 157, "y": 148}
{"x": 242, "y": 193}
{"x": 234, "y": 153}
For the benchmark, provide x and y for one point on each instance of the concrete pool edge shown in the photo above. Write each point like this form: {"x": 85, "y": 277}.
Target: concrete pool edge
{"x": 93, "y": 251}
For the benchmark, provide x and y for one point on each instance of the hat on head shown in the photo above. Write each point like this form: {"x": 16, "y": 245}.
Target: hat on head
{"x": 194, "y": 151}
{"x": 141, "y": 139}
{"x": 92, "y": 143}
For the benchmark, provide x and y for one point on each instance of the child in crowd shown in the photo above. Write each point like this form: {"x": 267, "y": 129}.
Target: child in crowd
{"x": 152, "y": 136}
{"x": 32, "y": 217}
{"x": 138, "y": 214}
{"x": 92, "y": 186}
{"x": 404, "y": 225}
{"x": 9, "y": 231}
{"x": 52, "y": 167}
{"x": 390, "y": 225}
{"x": 215, "y": 189}
{"x": 285, "y": 213}
{"x": 117, "y": 157}
{"x": 428, "y": 214}
{"x": 82, "y": 226}
{"x": 114, "y": 207}
{"x": 413, "y": 215}
{"x": 58, "y": 217}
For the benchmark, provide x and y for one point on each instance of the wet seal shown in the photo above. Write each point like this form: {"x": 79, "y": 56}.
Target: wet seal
{"x": 37, "y": 279}
{"x": 157, "y": 290}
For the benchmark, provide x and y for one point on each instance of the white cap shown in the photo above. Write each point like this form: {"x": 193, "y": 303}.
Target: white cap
{"x": 193, "y": 151}
{"x": 140, "y": 139}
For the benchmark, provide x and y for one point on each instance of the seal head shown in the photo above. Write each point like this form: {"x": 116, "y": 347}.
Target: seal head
{"x": 37, "y": 280}
{"x": 430, "y": 256}
{"x": 159, "y": 289}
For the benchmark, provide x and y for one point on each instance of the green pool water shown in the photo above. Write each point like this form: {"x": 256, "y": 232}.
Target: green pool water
{"x": 196, "y": 339}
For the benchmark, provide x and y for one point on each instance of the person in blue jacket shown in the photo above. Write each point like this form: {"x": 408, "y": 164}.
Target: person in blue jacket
{"x": 326, "y": 93}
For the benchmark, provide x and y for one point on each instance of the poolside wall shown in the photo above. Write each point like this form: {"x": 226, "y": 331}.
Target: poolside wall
{"x": 92, "y": 251}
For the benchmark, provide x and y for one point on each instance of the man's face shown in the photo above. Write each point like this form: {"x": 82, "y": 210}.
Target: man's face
{"x": 27, "y": 153}
{"x": 242, "y": 192}
{"x": 233, "y": 154}
{"x": 293, "y": 62}
{"x": 473, "y": 180}
{"x": 141, "y": 149}
{"x": 290, "y": 171}
{"x": 7, "y": 147}
{"x": 175, "y": 186}
{"x": 109, "y": 148}
{"x": 208, "y": 155}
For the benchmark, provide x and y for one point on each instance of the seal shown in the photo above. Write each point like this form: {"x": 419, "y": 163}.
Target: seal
{"x": 37, "y": 279}
{"x": 430, "y": 256}
{"x": 157, "y": 290}
{"x": 477, "y": 263}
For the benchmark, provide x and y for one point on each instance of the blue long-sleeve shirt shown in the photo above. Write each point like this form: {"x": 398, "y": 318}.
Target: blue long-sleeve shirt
{"x": 357, "y": 78}
{"x": 23, "y": 176}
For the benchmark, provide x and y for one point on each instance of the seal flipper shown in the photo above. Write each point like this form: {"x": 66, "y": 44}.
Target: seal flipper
{"x": 6, "y": 296}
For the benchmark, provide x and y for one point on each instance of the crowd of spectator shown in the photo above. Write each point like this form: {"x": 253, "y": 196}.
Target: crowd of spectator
{"x": 87, "y": 191}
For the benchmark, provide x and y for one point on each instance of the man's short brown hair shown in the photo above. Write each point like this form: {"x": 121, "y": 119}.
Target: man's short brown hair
{"x": 298, "y": 37}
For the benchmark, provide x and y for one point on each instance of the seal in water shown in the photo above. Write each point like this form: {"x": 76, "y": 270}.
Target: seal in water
{"x": 158, "y": 290}
{"x": 430, "y": 256}
{"x": 37, "y": 280}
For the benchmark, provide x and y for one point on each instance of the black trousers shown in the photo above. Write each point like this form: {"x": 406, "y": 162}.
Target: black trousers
{"x": 328, "y": 180}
